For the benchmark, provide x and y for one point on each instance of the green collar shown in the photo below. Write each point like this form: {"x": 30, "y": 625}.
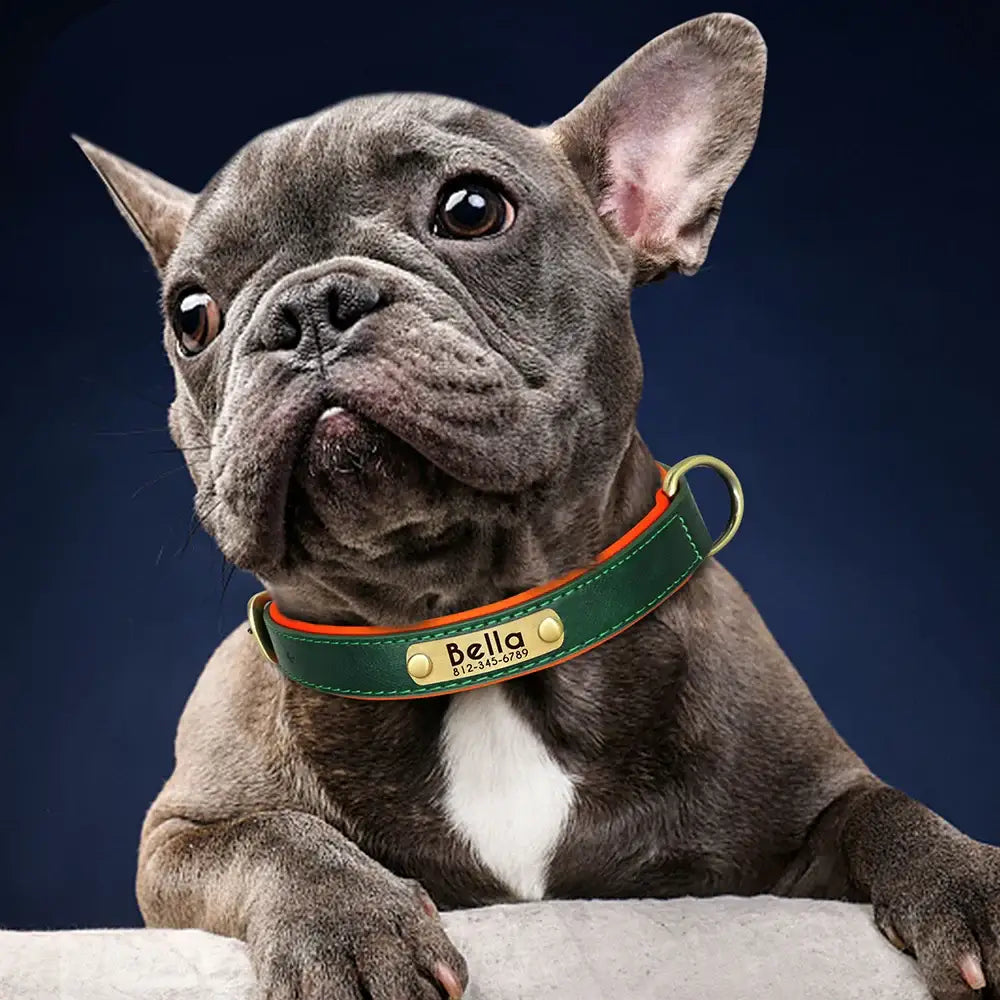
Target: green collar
{"x": 537, "y": 628}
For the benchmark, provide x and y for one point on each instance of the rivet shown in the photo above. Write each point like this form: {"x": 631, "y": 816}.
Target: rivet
{"x": 550, "y": 629}
{"x": 419, "y": 666}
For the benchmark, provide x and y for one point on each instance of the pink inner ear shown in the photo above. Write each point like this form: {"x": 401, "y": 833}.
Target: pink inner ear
{"x": 626, "y": 199}
{"x": 637, "y": 194}
{"x": 628, "y": 206}
{"x": 649, "y": 191}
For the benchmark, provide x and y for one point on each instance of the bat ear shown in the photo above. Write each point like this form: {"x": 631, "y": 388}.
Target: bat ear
{"x": 156, "y": 211}
{"x": 659, "y": 142}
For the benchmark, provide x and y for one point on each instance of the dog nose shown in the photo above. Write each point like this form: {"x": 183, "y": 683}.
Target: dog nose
{"x": 322, "y": 307}
{"x": 351, "y": 299}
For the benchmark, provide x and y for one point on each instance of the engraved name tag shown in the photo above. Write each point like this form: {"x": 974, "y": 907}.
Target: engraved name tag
{"x": 512, "y": 644}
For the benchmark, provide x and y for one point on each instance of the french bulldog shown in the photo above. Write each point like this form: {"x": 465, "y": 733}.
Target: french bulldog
{"x": 406, "y": 386}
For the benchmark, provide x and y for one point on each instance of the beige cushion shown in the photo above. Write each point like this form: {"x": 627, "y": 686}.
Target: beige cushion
{"x": 727, "y": 948}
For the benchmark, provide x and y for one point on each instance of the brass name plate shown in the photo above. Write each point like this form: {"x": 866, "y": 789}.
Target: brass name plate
{"x": 484, "y": 651}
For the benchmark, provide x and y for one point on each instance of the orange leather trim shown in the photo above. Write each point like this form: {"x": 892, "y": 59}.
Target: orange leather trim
{"x": 544, "y": 666}
{"x": 662, "y": 502}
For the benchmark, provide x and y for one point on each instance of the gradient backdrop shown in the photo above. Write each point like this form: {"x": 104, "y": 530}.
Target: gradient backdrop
{"x": 834, "y": 350}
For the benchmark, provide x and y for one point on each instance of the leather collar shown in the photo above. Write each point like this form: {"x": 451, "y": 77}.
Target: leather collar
{"x": 532, "y": 630}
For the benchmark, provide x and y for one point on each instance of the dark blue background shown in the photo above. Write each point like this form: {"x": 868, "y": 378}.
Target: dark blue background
{"x": 835, "y": 350}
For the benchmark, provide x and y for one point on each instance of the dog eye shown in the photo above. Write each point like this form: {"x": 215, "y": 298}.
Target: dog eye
{"x": 196, "y": 320}
{"x": 468, "y": 209}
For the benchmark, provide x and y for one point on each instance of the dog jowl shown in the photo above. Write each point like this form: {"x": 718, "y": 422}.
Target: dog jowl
{"x": 406, "y": 386}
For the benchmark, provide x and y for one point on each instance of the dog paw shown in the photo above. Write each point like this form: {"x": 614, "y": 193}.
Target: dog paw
{"x": 364, "y": 942}
{"x": 946, "y": 912}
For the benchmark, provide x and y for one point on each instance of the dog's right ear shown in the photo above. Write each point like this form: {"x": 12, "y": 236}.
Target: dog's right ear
{"x": 658, "y": 143}
{"x": 156, "y": 211}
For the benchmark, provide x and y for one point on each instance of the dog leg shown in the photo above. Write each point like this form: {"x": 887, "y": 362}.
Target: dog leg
{"x": 321, "y": 919}
{"x": 935, "y": 891}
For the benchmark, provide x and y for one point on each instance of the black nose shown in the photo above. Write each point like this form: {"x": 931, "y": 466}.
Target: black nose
{"x": 321, "y": 308}
{"x": 351, "y": 299}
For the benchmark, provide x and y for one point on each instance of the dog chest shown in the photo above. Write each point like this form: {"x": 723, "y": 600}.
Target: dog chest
{"x": 504, "y": 794}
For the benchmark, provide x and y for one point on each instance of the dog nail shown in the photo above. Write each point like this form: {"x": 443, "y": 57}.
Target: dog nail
{"x": 972, "y": 972}
{"x": 894, "y": 939}
{"x": 448, "y": 980}
{"x": 428, "y": 904}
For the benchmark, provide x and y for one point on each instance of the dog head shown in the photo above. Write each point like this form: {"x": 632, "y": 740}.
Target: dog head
{"x": 403, "y": 322}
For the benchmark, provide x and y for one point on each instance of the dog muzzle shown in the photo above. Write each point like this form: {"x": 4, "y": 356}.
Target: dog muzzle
{"x": 530, "y": 631}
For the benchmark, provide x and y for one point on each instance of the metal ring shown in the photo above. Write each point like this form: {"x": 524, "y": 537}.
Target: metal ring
{"x": 255, "y": 614}
{"x": 673, "y": 479}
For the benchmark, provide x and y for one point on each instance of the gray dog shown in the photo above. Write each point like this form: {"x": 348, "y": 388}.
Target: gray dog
{"x": 407, "y": 382}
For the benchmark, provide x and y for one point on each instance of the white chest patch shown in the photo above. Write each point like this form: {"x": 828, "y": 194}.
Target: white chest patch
{"x": 504, "y": 793}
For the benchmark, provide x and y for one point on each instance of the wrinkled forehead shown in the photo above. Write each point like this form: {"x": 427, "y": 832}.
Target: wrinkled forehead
{"x": 360, "y": 155}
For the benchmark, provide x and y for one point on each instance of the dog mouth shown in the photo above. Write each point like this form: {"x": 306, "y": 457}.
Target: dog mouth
{"x": 349, "y": 480}
{"x": 404, "y": 415}
{"x": 338, "y": 440}
{"x": 346, "y": 458}
{"x": 336, "y": 457}
{"x": 340, "y": 443}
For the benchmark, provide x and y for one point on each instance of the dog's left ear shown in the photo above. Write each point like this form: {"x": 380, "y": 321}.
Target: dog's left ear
{"x": 658, "y": 143}
{"x": 156, "y": 210}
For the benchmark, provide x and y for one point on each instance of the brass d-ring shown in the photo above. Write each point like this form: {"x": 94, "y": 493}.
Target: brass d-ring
{"x": 673, "y": 479}
{"x": 255, "y": 614}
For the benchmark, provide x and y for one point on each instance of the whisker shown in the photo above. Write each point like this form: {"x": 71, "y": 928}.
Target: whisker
{"x": 195, "y": 524}
{"x": 171, "y": 450}
{"x": 162, "y": 475}
{"x": 192, "y": 528}
{"x": 225, "y": 586}
{"x": 145, "y": 430}
{"x": 228, "y": 578}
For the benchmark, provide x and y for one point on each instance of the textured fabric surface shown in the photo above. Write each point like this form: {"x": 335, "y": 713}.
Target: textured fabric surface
{"x": 726, "y": 948}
